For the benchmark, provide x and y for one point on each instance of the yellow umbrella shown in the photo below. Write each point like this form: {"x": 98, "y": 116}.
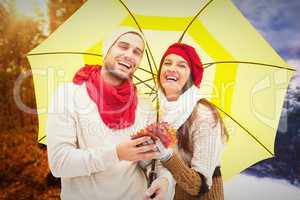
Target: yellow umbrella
{"x": 244, "y": 77}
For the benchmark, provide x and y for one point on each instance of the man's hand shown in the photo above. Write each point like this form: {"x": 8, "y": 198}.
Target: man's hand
{"x": 159, "y": 187}
{"x": 135, "y": 150}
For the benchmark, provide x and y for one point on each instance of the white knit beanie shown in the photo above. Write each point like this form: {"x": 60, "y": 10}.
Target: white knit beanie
{"x": 115, "y": 35}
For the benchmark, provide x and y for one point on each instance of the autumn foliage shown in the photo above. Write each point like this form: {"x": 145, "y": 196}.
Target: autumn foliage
{"x": 24, "y": 171}
{"x": 162, "y": 131}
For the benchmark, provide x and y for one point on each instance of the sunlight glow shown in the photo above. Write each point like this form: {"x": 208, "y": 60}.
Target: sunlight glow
{"x": 31, "y": 8}
{"x": 36, "y": 9}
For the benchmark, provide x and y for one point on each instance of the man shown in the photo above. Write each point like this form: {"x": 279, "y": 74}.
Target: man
{"x": 89, "y": 145}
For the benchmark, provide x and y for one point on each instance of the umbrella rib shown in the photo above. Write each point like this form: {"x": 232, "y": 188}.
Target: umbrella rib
{"x": 156, "y": 96}
{"x": 207, "y": 65}
{"x": 144, "y": 81}
{"x": 152, "y": 92}
{"x": 148, "y": 47}
{"x": 194, "y": 18}
{"x": 153, "y": 75}
{"x": 150, "y": 65}
{"x": 130, "y": 13}
{"x": 47, "y": 53}
{"x": 41, "y": 138}
{"x": 250, "y": 134}
{"x": 245, "y": 62}
{"x": 151, "y": 58}
{"x": 139, "y": 27}
{"x": 146, "y": 71}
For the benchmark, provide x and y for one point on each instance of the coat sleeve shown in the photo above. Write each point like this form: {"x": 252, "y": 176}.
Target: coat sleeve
{"x": 187, "y": 178}
{"x": 64, "y": 157}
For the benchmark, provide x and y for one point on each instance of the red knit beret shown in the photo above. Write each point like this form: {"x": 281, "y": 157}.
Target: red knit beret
{"x": 192, "y": 58}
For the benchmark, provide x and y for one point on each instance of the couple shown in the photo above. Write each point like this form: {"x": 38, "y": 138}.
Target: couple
{"x": 92, "y": 120}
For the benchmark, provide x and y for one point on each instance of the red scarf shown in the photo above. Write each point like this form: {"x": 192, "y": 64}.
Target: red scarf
{"x": 116, "y": 104}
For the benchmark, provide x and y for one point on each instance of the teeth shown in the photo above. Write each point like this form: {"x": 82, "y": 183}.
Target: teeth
{"x": 126, "y": 64}
{"x": 173, "y": 78}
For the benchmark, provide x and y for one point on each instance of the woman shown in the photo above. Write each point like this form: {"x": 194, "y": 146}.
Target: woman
{"x": 195, "y": 162}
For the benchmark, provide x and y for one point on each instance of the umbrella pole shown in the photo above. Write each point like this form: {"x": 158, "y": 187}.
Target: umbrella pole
{"x": 152, "y": 176}
{"x": 152, "y": 173}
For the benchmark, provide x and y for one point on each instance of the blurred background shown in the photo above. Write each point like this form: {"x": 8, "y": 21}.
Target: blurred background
{"x": 24, "y": 172}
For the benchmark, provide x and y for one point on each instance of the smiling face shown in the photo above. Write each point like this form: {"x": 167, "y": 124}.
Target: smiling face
{"x": 124, "y": 56}
{"x": 174, "y": 75}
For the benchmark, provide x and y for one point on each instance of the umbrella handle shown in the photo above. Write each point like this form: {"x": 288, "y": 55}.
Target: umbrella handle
{"x": 152, "y": 176}
{"x": 152, "y": 173}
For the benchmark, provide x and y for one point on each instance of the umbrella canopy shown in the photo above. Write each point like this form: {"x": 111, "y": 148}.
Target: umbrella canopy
{"x": 244, "y": 77}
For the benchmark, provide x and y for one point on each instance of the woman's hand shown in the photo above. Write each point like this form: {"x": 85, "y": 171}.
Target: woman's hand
{"x": 165, "y": 152}
{"x": 135, "y": 150}
{"x": 159, "y": 187}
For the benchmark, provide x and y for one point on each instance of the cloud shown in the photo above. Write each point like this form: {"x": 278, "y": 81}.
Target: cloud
{"x": 277, "y": 21}
{"x": 295, "y": 63}
{"x": 295, "y": 81}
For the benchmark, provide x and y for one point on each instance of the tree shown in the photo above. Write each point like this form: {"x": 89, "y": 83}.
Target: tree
{"x": 17, "y": 37}
{"x": 61, "y": 10}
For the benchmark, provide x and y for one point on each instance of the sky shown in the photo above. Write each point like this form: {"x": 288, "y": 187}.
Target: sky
{"x": 278, "y": 22}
